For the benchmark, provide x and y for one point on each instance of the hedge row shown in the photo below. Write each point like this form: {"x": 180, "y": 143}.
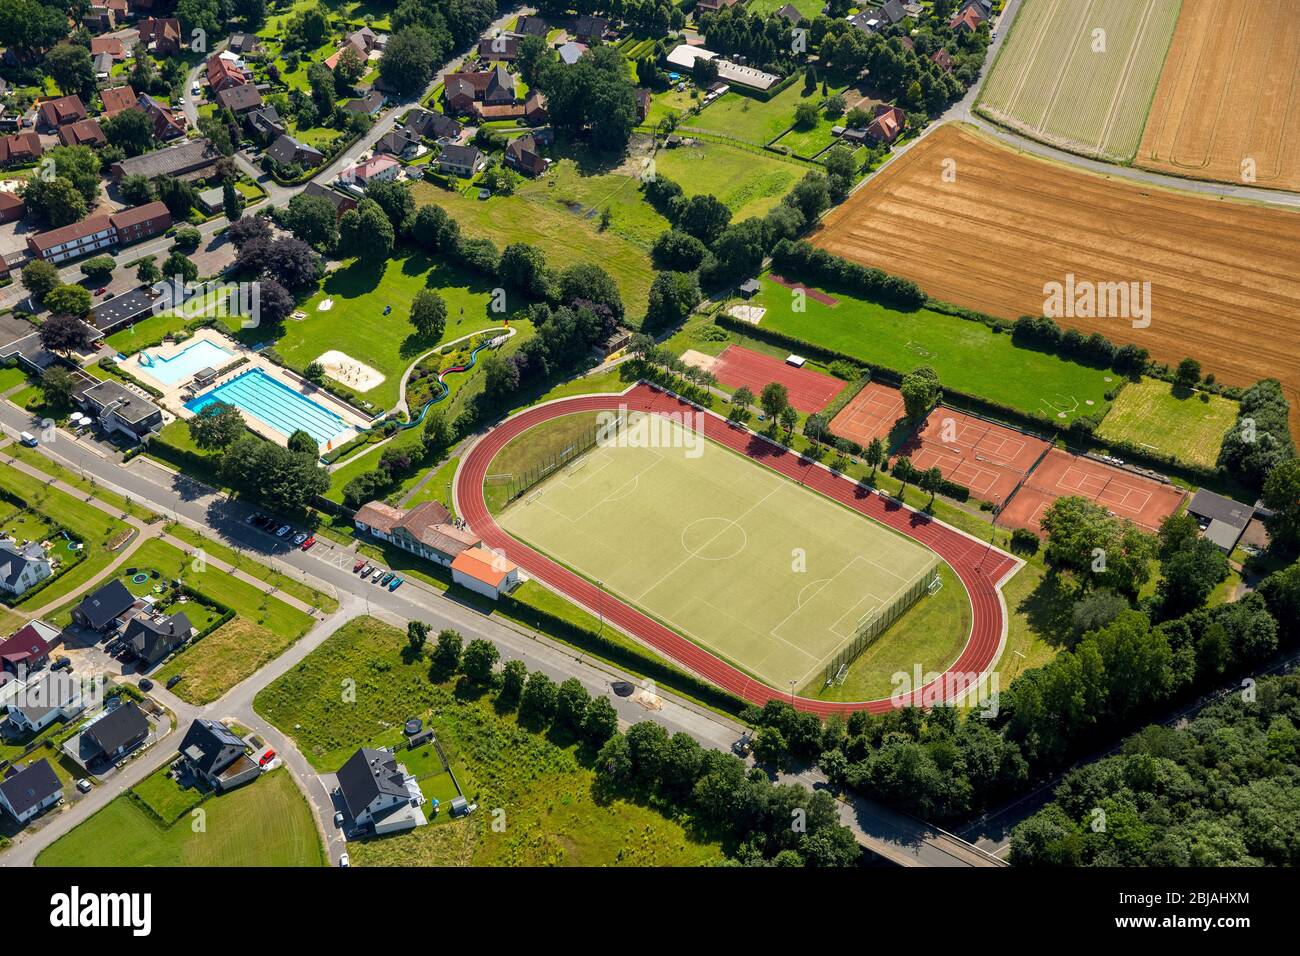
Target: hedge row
{"x": 822, "y": 268}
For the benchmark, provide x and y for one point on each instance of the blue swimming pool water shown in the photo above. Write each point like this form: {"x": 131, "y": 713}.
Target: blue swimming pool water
{"x": 202, "y": 354}
{"x": 274, "y": 403}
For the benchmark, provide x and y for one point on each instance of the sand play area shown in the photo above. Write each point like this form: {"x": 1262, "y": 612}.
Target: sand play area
{"x": 344, "y": 368}
{"x": 698, "y": 359}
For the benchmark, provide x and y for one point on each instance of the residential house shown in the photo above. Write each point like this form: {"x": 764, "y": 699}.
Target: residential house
{"x": 535, "y": 109}
{"x": 889, "y": 124}
{"x": 571, "y": 52}
{"x": 123, "y": 310}
{"x": 265, "y": 124}
{"x": 113, "y": 46}
{"x": 713, "y": 6}
{"x": 215, "y": 754}
{"x": 212, "y": 200}
{"x": 435, "y": 126}
{"x": 984, "y": 8}
{"x": 340, "y": 202}
{"x": 18, "y": 148}
{"x": 162, "y": 37}
{"x": 195, "y": 159}
{"x": 154, "y": 637}
{"x": 379, "y": 793}
{"x": 82, "y": 133}
{"x": 490, "y": 87}
{"x": 399, "y": 142}
{"x": 106, "y": 609}
{"x": 114, "y": 735}
{"x": 29, "y": 647}
{"x": 463, "y": 161}
{"x": 501, "y": 48}
{"x": 117, "y": 99}
{"x": 523, "y": 155}
{"x": 28, "y": 791}
{"x": 377, "y": 169}
{"x": 239, "y": 99}
{"x": 1222, "y": 520}
{"x": 364, "y": 42}
{"x": 12, "y": 206}
{"x": 121, "y": 411}
{"x": 64, "y": 109}
{"x": 242, "y": 43}
{"x": 166, "y": 123}
{"x": 791, "y": 13}
{"x": 52, "y": 696}
{"x": 643, "y": 100}
{"x": 369, "y": 103}
{"x": 223, "y": 73}
{"x": 102, "y": 66}
{"x": 426, "y": 530}
{"x": 287, "y": 151}
{"x": 531, "y": 26}
{"x": 102, "y": 231}
{"x": 943, "y": 59}
{"x": 968, "y": 20}
{"x": 22, "y": 567}
{"x": 104, "y": 15}
{"x": 588, "y": 28}
{"x": 484, "y": 572}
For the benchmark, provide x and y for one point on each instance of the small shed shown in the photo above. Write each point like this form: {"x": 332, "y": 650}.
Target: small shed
{"x": 459, "y": 807}
{"x": 749, "y": 288}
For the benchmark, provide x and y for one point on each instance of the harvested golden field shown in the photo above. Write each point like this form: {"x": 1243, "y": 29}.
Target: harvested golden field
{"x": 995, "y": 236}
{"x": 1228, "y": 104}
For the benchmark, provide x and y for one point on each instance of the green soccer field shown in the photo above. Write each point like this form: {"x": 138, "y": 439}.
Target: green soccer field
{"x": 757, "y": 569}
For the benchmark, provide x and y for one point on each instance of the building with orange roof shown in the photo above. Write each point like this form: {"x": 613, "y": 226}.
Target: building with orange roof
{"x": 485, "y": 572}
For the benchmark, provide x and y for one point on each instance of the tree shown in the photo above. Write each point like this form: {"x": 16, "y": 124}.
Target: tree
{"x": 177, "y": 195}
{"x": 312, "y": 219}
{"x": 397, "y": 202}
{"x": 806, "y": 115}
{"x": 571, "y": 705}
{"x": 434, "y": 231}
{"x": 32, "y": 26}
{"x": 275, "y": 303}
{"x": 1188, "y": 375}
{"x": 438, "y": 434}
{"x": 131, "y": 131}
{"x": 70, "y": 67}
{"x": 57, "y": 200}
{"x": 593, "y": 284}
{"x": 1282, "y": 496}
{"x": 73, "y": 300}
{"x": 1188, "y": 577}
{"x": 40, "y": 277}
{"x": 537, "y": 704}
{"x": 62, "y": 332}
{"x": 513, "y": 677}
{"x": 135, "y": 188}
{"x": 99, "y": 269}
{"x": 1101, "y": 550}
{"x": 600, "y": 722}
{"x": 500, "y": 377}
{"x": 742, "y": 397}
{"x": 429, "y": 314}
{"x": 232, "y": 202}
{"x": 673, "y": 296}
{"x": 366, "y": 233}
{"x": 931, "y": 481}
{"x": 57, "y": 385}
{"x": 772, "y": 399}
{"x": 147, "y": 271}
{"x": 523, "y": 267}
{"x": 250, "y": 229}
{"x": 284, "y": 479}
{"x": 350, "y": 67}
{"x": 408, "y": 60}
{"x": 875, "y": 454}
{"x": 179, "y": 265}
{"x": 202, "y": 15}
{"x": 704, "y": 217}
{"x": 188, "y": 238}
{"x": 216, "y": 425}
{"x": 478, "y": 661}
{"x": 417, "y": 635}
{"x": 446, "y": 654}
{"x": 920, "y": 388}
{"x": 788, "y": 418}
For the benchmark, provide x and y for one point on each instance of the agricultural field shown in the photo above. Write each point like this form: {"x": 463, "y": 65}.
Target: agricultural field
{"x": 713, "y": 559}
{"x": 749, "y": 183}
{"x": 265, "y": 823}
{"x": 1036, "y": 223}
{"x": 969, "y": 356}
{"x": 1188, "y": 425}
{"x": 554, "y": 816}
{"x": 1227, "y": 101}
{"x": 566, "y": 238}
{"x": 1081, "y": 75}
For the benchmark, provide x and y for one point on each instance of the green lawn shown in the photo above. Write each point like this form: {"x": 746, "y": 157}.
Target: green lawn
{"x": 102, "y": 535}
{"x": 670, "y": 103}
{"x": 571, "y": 190}
{"x": 809, "y": 142}
{"x": 566, "y": 238}
{"x": 165, "y": 797}
{"x": 265, "y": 823}
{"x": 532, "y": 451}
{"x": 748, "y": 183}
{"x": 1153, "y": 414}
{"x": 552, "y": 815}
{"x": 34, "y": 458}
{"x": 753, "y": 120}
{"x": 356, "y": 323}
{"x": 968, "y": 355}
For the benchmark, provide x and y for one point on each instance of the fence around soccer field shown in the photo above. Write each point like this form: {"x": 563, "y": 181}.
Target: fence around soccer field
{"x": 522, "y": 483}
{"x": 877, "y": 622}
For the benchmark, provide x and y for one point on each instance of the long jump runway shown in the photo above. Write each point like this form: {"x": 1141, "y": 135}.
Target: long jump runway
{"x": 981, "y": 568}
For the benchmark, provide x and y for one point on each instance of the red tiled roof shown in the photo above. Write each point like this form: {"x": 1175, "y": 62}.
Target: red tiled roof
{"x": 117, "y": 99}
{"x": 483, "y": 565}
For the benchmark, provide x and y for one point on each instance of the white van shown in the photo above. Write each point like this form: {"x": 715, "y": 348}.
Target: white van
{"x": 28, "y": 439}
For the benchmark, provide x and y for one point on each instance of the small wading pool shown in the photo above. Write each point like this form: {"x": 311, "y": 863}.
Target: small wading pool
{"x": 194, "y": 358}
{"x": 274, "y": 404}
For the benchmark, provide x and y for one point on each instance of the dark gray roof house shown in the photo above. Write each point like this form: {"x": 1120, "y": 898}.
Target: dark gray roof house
{"x": 379, "y": 792}
{"x": 398, "y": 142}
{"x": 791, "y": 13}
{"x": 370, "y": 102}
{"x": 20, "y": 565}
{"x": 153, "y": 637}
{"x": 25, "y": 792}
{"x": 265, "y": 122}
{"x": 431, "y": 125}
{"x": 100, "y": 609}
{"x": 286, "y": 150}
{"x": 214, "y": 752}
{"x": 120, "y": 730}
{"x": 112, "y": 314}
{"x": 340, "y": 202}
{"x": 1223, "y": 519}
{"x": 243, "y": 43}
{"x": 121, "y": 410}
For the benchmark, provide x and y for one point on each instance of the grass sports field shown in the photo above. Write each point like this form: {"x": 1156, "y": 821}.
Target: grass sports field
{"x": 1228, "y": 97}
{"x": 1037, "y": 222}
{"x": 1080, "y": 74}
{"x": 748, "y": 183}
{"x": 1149, "y": 413}
{"x": 760, "y": 571}
{"x": 265, "y": 823}
{"x": 967, "y": 355}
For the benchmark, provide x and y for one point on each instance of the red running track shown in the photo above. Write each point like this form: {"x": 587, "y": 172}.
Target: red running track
{"x": 979, "y": 567}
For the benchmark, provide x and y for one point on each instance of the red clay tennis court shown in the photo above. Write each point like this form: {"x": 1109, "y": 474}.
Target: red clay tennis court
{"x": 809, "y": 391}
{"x": 869, "y": 414}
{"x": 987, "y": 458}
{"x": 1143, "y": 501}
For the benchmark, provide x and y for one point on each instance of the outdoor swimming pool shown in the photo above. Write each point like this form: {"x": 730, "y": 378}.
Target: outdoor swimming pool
{"x": 274, "y": 403}
{"x": 194, "y": 358}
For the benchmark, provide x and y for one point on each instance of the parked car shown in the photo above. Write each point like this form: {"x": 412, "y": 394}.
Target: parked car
{"x": 256, "y": 517}
{"x": 395, "y": 584}
{"x": 338, "y": 819}
{"x": 379, "y": 573}
{"x": 309, "y": 543}
{"x": 174, "y": 680}
{"x": 61, "y": 663}
{"x": 366, "y": 569}
{"x": 386, "y": 578}
{"x": 281, "y": 531}
{"x": 343, "y": 860}
{"x": 83, "y": 785}
{"x": 101, "y": 290}
{"x": 358, "y": 566}
{"x": 266, "y": 758}
{"x": 299, "y": 538}
{"x": 146, "y": 684}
